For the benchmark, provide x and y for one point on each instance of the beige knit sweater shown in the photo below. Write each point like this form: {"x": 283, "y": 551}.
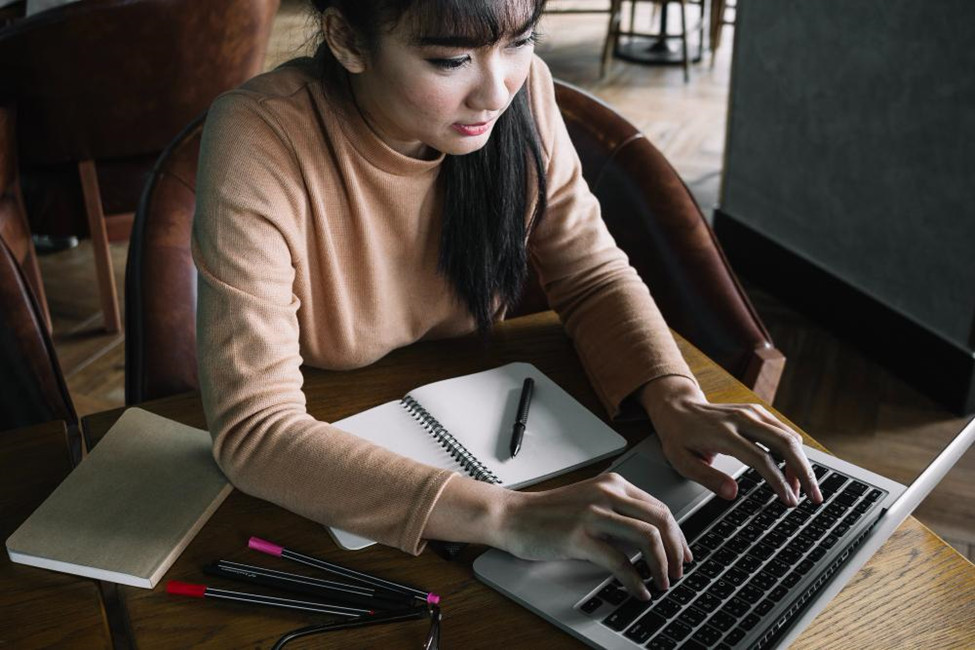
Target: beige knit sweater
{"x": 316, "y": 243}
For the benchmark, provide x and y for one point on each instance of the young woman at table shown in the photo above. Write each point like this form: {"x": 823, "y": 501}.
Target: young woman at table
{"x": 391, "y": 189}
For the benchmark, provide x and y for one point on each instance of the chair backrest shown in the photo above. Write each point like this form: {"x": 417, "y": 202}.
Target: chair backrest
{"x": 160, "y": 277}
{"x": 648, "y": 209}
{"x": 658, "y": 224}
{"x": 32, "y": 388}
{"x": 105, "y": 79}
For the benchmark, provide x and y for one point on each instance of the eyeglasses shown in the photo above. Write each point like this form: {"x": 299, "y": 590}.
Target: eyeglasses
{"x": 431, "y": 611}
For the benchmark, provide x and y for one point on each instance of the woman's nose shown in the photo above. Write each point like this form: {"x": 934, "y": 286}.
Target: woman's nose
{"x": 491, "y": 92}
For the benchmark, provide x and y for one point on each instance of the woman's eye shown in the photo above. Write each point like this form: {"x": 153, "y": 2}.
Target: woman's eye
{"x": 450, "y": 64}
{"x": 531, "y": 39}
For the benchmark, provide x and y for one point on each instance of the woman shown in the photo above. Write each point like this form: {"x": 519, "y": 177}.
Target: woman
{"x": 393, "y": 189}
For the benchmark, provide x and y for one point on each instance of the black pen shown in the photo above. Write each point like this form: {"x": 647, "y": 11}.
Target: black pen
{"x": 518, "y": 430}
{"x": 338, "y": 592}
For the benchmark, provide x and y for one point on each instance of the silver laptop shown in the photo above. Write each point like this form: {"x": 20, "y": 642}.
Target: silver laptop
{"x": 761, "y": 571}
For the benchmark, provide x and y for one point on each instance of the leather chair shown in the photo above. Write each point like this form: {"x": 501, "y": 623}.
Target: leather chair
{"x": 32, "y": 388}
{"x": 647, "y": 207}
{"x": 14, "y": 231}
{"x": 102, "y": 86}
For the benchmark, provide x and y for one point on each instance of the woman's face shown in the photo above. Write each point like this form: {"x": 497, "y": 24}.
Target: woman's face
{"x": 442, "y": 94}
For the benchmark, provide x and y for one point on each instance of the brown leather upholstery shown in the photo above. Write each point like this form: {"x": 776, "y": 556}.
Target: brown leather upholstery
{"x": 32, "y": 388}
{"x": 14, "y": 231}
{"x": 657, "y": 222}
{"x": 113, "y": 81}
{"x": 648, "y": 209}
{"x": 160, "y": 278}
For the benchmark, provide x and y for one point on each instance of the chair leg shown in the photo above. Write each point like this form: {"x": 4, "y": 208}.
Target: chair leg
{"x": 99, "y": 238}
{"x": 31, "y": 268}
{"x": 683, "y": 40}
{"x": 612, "y": 36}
{"x": 717, "y": 24}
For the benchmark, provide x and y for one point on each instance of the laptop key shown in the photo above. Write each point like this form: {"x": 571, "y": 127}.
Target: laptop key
{"x": 707, "y": 602}
{"x": 677, "y": 630}
{"x": 764, "y": 607}
{"x": 792, "y": 579}
{"x": 819, "y": 470}
{"x": 751, "y": 594}
{"x": 832, "y": 483}
{"x": 706, "y": 515}
{"x": 873, "y": 495}
{"x": 736, "y": 607}
{"x": 817, "y": 554}
{"x": 801, "y": 544}
{"x": 625, "y": 614}
{"x": 645, "y": 628}
{"x": 667, "y": 608}
{"x": 750, "y": 621}
{"x": 697, "y": 581}
{"x": 857, "y": 487}
{"x": 612, "y": 595}
{"x": 735, "y": 636}
{"x": 591, "y": 605}
{"x": 778, "y": 593}
{"x": 763, "y": 580}
{"x": 722, "y": 589}
{"x": 692, "y": 616}
{"x": 707, "y": 636}
{"x": 725, "y": 556}
{"x": 662, "y": 643}
{"x": 788, "y": 555}
{"x": 700, "y": 552}
{"x": 762, "y": 551}
{"x": 776, "y": 568}
{"x": 736, "y": 577}
{"x": 748, "y": 564}
{"x": 830, "y": 541}
{"x": 693, "y": 645}
{"x": 711, "y": 569}
{"x": 722, "y": 621}
{"x": 804, "y": 566}
{"x": 683, "y": 595}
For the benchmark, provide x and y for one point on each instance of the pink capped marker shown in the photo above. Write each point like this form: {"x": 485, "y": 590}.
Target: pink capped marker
{"x": 388, "y": 586}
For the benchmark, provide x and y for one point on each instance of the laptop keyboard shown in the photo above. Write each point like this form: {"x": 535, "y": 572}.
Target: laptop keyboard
{"x": 749, "y": 555}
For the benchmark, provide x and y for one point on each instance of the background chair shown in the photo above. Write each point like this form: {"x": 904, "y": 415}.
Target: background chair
{"x": 14, "y": 230}
{"x": 32, "y": 388}
{"x": 102, "y": 86}
{"x": 648, "y": 209}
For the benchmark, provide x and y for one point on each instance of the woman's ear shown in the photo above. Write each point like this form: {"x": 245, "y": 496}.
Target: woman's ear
{"x": 342, "y": 41}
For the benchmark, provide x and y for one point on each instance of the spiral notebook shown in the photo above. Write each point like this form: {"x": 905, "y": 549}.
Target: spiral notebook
{"x": 464, "y": 423}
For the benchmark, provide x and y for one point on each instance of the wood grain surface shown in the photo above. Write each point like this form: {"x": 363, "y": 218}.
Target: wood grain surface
{"x": 915, "y": 593}
{"x": 38, "y": 608}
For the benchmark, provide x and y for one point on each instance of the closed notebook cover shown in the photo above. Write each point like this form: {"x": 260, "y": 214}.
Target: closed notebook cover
{"x": 479, "y": 411}
{"x": 130, "y": 508}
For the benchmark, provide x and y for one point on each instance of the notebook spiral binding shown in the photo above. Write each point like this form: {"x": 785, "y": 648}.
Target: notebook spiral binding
{"x": 457, "y": 451}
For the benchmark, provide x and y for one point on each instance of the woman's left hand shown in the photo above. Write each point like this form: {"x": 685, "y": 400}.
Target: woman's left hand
{"x": 693, "y": 431}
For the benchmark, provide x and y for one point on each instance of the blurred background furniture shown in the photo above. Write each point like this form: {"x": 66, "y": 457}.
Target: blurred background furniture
{"x": 646, "y": 206}
{"x": 14, "y": 230}
{"x": 32, "y": 388}
{"x": 653, "y": 47}
{"x": 101, "y": 87}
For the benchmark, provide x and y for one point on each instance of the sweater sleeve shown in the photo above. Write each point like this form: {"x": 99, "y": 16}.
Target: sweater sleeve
{"x": 617, "y": 329}
{"x": 250, "y": 195}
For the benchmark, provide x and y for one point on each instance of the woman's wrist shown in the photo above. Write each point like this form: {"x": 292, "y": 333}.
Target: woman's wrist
{"x": 668, "y": 394}
{"x": 470, "y": 511}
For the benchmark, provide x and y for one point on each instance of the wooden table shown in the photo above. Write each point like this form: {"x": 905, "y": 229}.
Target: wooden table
{"x": 41, "y": 608}
{"x": 916, "y": 592}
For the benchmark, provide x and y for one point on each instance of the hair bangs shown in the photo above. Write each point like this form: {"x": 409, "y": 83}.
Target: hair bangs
{"x": 471, "y": 23}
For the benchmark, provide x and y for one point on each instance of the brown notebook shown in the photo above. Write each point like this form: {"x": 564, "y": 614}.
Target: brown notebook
{"x": 130, "y": 508}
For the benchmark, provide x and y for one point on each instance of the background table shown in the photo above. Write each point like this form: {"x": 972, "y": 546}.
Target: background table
{"x": 916, "y": 591}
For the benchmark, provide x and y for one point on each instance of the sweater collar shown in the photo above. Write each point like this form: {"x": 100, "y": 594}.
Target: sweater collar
{"x": 371, "y": 147}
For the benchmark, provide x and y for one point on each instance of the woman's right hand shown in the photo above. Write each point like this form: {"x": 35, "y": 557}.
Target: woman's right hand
{"x": 592, "y": 520}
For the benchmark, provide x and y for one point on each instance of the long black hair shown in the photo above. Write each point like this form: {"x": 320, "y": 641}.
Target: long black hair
{"x": 487, "y": 192}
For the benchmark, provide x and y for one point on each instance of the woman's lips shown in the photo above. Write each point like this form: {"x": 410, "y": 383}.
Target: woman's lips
{"x": 471, "y": 129}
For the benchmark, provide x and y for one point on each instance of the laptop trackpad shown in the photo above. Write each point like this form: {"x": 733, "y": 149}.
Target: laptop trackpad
{"x": 647, "y": 469}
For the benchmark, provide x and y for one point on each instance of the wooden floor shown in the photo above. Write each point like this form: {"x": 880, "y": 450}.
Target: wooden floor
{"x": 848, "y": 402}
